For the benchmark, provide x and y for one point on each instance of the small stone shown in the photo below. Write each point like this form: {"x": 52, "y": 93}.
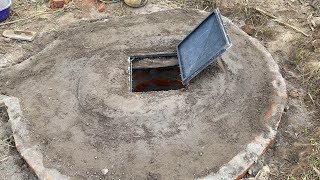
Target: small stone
{"x": 87, "y": 124}
{"x": 50, "y": 88}
{"x": 201, "y": 153}
{"x": 105, "y": 171}
{"x": 7, "y": 40}
{"x": 96, "y": 157}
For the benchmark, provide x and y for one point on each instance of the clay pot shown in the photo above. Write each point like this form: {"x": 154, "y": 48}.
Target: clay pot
{"x": 136, "y": 3}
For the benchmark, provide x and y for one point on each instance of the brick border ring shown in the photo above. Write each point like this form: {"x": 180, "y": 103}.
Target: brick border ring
{"x": 234, "y": 169}
{"x": 243, "y": 161}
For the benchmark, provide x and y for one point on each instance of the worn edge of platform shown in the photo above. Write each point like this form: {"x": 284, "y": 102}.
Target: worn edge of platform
{"x": 240, "y": 164}
{"x": 30, "y": 153}
{"x": 234, "y": 169}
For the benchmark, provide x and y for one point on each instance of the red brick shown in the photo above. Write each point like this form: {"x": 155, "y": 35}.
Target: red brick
{"x": 58, "y": 3}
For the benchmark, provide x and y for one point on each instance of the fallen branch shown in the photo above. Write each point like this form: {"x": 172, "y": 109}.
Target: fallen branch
{"x": 280, "y": 22}
{"x": 312, "y": 101}
{"x": 292, "y": 27}
{"x": 265, "y": 13}
{"x": 12, "y": 22}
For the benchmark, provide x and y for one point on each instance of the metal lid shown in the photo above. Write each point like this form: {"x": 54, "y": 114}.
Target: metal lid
{"x": 200, "y": 48}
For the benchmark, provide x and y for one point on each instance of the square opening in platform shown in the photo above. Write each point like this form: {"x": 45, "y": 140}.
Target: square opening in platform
{"x": 159, "y": 72}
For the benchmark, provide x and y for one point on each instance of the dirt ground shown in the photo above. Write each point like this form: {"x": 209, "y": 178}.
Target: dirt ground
{"x": 294, "y": 154}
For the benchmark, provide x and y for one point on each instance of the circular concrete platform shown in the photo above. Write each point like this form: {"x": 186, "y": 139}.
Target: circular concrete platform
{"x": 80, "y": 117}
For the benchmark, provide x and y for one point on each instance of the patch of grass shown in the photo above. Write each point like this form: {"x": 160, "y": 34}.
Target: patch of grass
{"x": 314, "y": 162}
{"x": 313, "y": 169}
{"x": 315, "y": 158}
{"x": 310, "y": 165}
{"x": 39, "y": 4}
{"x": 307, "y": 62}
{"x": 310, "y": 70}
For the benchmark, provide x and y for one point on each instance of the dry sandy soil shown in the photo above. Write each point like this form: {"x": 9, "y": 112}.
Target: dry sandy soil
{"x": 292, "y": 155}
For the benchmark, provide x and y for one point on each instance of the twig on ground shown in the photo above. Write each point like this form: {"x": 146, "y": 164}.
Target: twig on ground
{"x": 265, "y": 13}
{"x": 6, "y": 144}
{"x": 109, "y": 2}
{"x": 316, "y": 170}
{"x": 314, "y": 6}
{"x": 301, "y": 2}
{"x": 292, "y": 27}
{"x": 310, "y": 22}
{"x": 311, "y": 98}
{"x": 280, "y": 22}
{"x": 288, "y": 2}
{"x": 4, "y": 159}
{"x": 24, "y": 19}
{"x": 33, "y": 16}
{"x": 221, "y": 65}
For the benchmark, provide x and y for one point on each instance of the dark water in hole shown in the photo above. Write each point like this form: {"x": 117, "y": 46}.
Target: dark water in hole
{"x": 156, "y": 79}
